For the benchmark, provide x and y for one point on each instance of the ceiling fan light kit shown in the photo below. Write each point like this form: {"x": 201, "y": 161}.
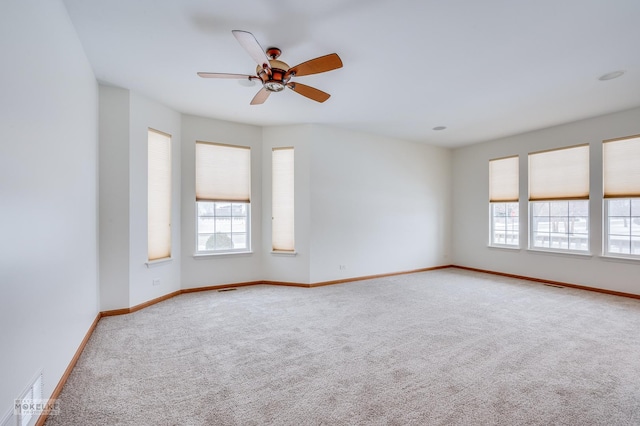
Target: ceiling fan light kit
{"x": 274, "y": 74}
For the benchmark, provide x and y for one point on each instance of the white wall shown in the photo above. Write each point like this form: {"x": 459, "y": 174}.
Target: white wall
{"x": 471, "y": 208}
{"x": 378, "y": 205}
{"x": 114, "y": 197}
{"x": 48, "y": 195}
{"x": 125, "y": 279}
{"x": 219, "y": 269}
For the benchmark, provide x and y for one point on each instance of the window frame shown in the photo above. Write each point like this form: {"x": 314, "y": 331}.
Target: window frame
{"x": 574, "y": 190}
{"x": 621, "y": 187}
{"x": 233, "y": 197}
{"x": 504, "y": 188}
{"x": 283, "y": 191}
{"x": 568, "y": 234}
{"x": 606, "y": 252}
{"x": 156, "y": 252}
{"x": 214, "y": 252}
{"x": 492, "y": 228}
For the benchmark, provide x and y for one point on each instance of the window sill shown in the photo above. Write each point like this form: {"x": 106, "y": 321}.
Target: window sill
{"x": 226, "y": 253}
{"x": 621, "y": 259}
{"x": 284, "y": 253}
{"x": 505, "y": 247}
{"x": 152, "y": 263}
{"x": 584, "y": 255}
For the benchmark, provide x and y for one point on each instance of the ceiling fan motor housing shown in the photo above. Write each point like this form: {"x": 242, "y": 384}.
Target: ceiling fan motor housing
{"x": 276, "y": 78}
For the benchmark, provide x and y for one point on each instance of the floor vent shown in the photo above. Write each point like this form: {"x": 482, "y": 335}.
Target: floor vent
{"x": 553, "y": 285}
{"x": 227, "y": 289}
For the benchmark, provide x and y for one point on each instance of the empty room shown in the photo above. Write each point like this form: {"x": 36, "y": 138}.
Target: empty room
{"x": 345, "y": 212}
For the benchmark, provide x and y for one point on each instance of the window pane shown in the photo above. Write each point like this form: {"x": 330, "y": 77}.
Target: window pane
{"x": 202, "y": 242}
{"x": 504, "y": 224}
{"x": 619, "y": 207}
{"x": 623, "y": 229}
{"x": 541, "y": 209}
{"x": 239, "y": 209}
{"x": 239, "y": 224}
{"x": 222, "y": 226}
{"x": 635, "y": 206}
{"x": 579, "y": 208}
{"x": 206, "y": 225}
{"x": 239, "y": 241}
{"x": 223, "y": 209}
{"x": 566, "y": 227}
{"x": 579, "y": 225}
{"x": 559, "y": 208}
{"x": 635, "y": 245}
{"x": 206, "y": 208}
{"x": 220, "y": 241}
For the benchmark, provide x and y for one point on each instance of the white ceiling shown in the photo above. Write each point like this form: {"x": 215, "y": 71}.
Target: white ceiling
{"x": 485, "y": 69}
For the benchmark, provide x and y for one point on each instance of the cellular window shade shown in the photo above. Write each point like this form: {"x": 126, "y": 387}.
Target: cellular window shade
{"x": 503, "y": 180}
{"x": 561, "y": 174}
{"x": 621, "y": 168}
{"x": 282, "y": 199}
{"x": 223, "y": 172}
{"x": 159, "y": 195}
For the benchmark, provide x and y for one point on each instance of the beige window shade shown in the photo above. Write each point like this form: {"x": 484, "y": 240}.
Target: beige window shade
{"x": 621, "y": 168}
{"x": 159, "y": 195}
{"x": 223, "y": 172}
{"x": 503, "y": 180}
{"x": 282, "y": 199}
{"x": 561, "y": 174}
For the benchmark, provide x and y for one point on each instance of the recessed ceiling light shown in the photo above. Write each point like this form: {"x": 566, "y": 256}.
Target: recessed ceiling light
{"x": 439, "y": 128}
{"x": 611, "y": 75}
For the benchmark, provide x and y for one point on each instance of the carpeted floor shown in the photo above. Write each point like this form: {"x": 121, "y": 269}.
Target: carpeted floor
{"x": 446, "y": 347}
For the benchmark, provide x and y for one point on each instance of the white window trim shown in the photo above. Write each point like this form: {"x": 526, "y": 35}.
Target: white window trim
{"x": 491, "y": 229}
{"x": 284, "y": 253}
{"x": 205, "y": 255}
{"x": 605, "y": 237}
{"x": 570, "y": 252}
{"x": 152, "y": 263}
{"x": 200, "y": 253}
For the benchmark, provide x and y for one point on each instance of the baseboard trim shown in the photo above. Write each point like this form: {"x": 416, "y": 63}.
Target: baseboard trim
{"x": 218, "y": 287}
{"x": 286, "y": 284}
{"x": 56, "y": 392}
{"x": 371, "y": 277}
{"x": 551, "y": 282}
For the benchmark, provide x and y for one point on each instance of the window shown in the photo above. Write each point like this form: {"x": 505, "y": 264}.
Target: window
{"x": 503, "y": 201}
{"x": 158, "y": 195}
{"x": 559, "y": 199}
{"x": 282, "y": 208}
{"x": 621, "y": 175}
{"x": 223, "y": 198}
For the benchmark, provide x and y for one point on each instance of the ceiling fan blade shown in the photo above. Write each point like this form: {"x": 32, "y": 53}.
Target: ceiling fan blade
{"x": 223, "y": 75}
{"x": 260, "y": 97}
{"x": 317, "y": 65}
{"x": 309, "y": 92}
{"x": 253, "y": 48}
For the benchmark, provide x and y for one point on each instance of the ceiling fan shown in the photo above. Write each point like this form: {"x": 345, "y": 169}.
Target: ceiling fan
{"x": 274, "y": 74}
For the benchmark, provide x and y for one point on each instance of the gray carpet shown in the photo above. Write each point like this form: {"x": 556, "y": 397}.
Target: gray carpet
{"x": 446, "y": 347}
